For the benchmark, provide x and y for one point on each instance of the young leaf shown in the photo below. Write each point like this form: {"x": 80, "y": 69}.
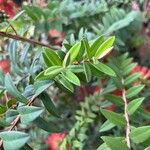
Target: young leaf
{"x": 66, "y": 61}
{"x": 115, "y": 142}
{"x": 96, "y": 45}
{"x": 51, "y": 72}
{"x": 74, "y": 51}
{"x": 41, "y": 76}
{"x": 140, "y": 134}
{"x": 87, "y": 71}
{"x": 107, "y": 51}
{"x": 10, "y": 87}
{"x": 134, "y": 91}
{"x": 52, "y": 58}
{"x": 132, "y": 78}
{"x": 71, "y": 77}
{"x": 86, "y": 46}
{"x": 29, "y": 113}
{"x": 104, "y": 47}
{"x": 13, "y": 140}
{"x": 107, "y": 125}
{"x": 134, "y": 105}
{"x": 49, "y": 105}
{"x": 113, "y": 117}
{"x": 104, "y": 68}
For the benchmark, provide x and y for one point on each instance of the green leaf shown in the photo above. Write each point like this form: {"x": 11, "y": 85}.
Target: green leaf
{"x": 104, "y": 47}
{"x": 104, "y": 68}
{"x": 113, "y": 117}
{"x": 66, "y": 61}
{"x": 4, "y": 123}
{"x": 87, "y": 71}
{"x": 147, "y": 148}
{"x": 94, "y": 47}
{"x": 3, "y": 109}
{"x": 13, "y": 140}
{"x": 131, "y": 78}
{"x": 107, "y": 125}
{"x": 133, "y": 91}
{"x": 65, "y": 83}
{"x": 53, "y": 71}
{"x": 134, "y": 105}
{"x": 10, "y": 87}
{"x": 86, "y": 46}
{"x": 49, "y": 105}
{"x": 140, "y": 134}
{"x": 74, "y": 51}
{"x": 46, "y": 126}
{"x": 71, "y": 77}
{"x": 41, "y": 76}
{"x": 103, "y": 147}
{"x": 29, "y": 113}
{"x": 115, "y": 142}
{"x": 51, "y": 58}
{"x": 114, "y": 99}
{"x": 107, "y": 51}
{"x": 41, "y": 86}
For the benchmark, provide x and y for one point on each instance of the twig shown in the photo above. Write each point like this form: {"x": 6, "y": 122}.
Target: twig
{"x": 20, "y": 38}
{"x": 10, "y": 25}
{"x": 17, "y": 119}
{"x": 126, "y": 118}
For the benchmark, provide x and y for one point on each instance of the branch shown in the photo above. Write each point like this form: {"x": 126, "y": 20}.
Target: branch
{"x": 20, "y": 38}
{"x": 126, "y": 118}
{"x": 17, "y": 119}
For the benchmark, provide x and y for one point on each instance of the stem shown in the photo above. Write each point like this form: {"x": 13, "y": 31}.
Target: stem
{"x": 17, "y": 119}
{"x": 126, "y": 118}
{"x": 20, "y": 38}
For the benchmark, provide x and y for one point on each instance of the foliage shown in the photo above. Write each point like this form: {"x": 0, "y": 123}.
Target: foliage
{"x": 80, "y": 92}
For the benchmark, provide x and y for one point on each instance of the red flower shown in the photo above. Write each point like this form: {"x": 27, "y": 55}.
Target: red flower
{"x": 9, "y": 7}
{"x": 5, "y": 66}
{"x": 54, "y": 140}
{"x": 144, "y": 71}
{"x": 56, "y": 37}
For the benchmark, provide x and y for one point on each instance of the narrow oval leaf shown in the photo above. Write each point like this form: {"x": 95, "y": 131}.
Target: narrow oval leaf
{"x": 13, "y": 140}
{"x": 74, "y": 51}
{"x": 131, "y": 78}
{"x": 10, "y": 87}
{"x": 103, "y": 146}
{"x": 51, "y": 58}
{"x": 134, "y": 105}
{"x": 49, "y": 105}
{"x": 87, "y": 71}
{"x": 113, "y": 117}
{"x": 29, "y": 113}
{"x": 46, "y": 126}
{"x": 107, "y": 51}
{"x": 41, "y": 76}
{"x": 87, "y": 47}
{"x": 71, "y": 77}
{"x": 140, "y": 134}
{"x": 51, "y": 72}
{"x": 65, "y": 83}
{"x": 115, "y": 142}
{"x": 105, "y": 46}
{"x": 133, "y": 91}
{"x": 96, "y": 45}
{"x": 104, "y": 68}
{"x": 107, "y": 125}
{"x": 66, "y": 61}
